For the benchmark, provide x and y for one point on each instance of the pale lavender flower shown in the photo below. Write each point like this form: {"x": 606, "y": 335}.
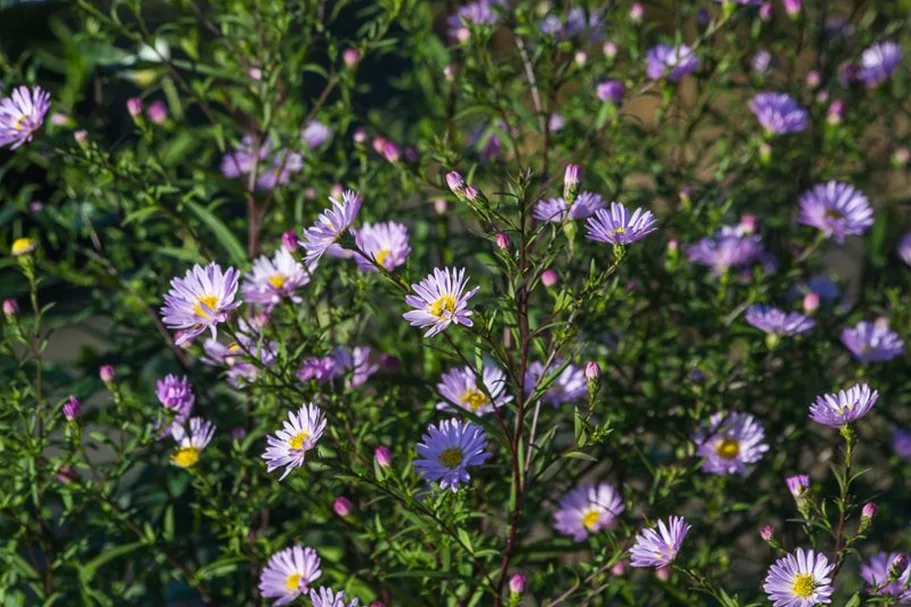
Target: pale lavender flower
{"x": 459, "y": 386}
{"x": 618, "y": 227}
{"x": 588, "y": 509}
{"x": 838, "y": 209}
{"x": 326, "y": 597}
{"x": 801, "y": 579}
{"x": 761, "y": 62}
{"x": 730, "y": 442}
{"x": 904, "y": 248}
{"x": 21, "y": 114}
{"x": 448, "y": 449}
{"x": 240, "y": 162}
{"x": 315, "y": 134}
{"x": 322, "y": 236}
{"x": 289, "y": 574}
{"x": 872, "y": 342}
{"x": 797, "y": 484}
{"x": 570, "y": 385}
{"x": 658, "y": 548}
{"x": 555, "y": 209}
{"x": 439, "y": 300}
{"x": 878, "y": 62}
{"x": 320, "y": 368}
{"x": 777, "y": 322}
{"x": 611, "y": 91}
{"x": 384, "y": 243}
{"x": 779, "y": 114}
{"x": 71, "y": 408}
{"x": 200, "y": 300}
{"x": 843, "y": 408}
{"x": 300, "y": 433}
{"x": 727, "y": 249}
{"x": 272, "y": 280}
{"x": 190, "y": 441}
{"x": 901, "y": 443}
{"x": 238, "y": 357}
{"x": 670, "y": 62}
{"x": 361, "y": 362}
{"x": 876, "y": 573}
{"x": 576, "y": 23}
{"x": 474, "y": 14}
{"x": 284, "y": 165}
{"x": 176, "y": 395}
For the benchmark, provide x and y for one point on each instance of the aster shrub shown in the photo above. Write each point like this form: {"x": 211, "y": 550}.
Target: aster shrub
{"x": 502, "y": 302}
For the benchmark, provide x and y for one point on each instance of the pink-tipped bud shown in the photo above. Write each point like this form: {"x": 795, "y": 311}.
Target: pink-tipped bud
{"x": 10, "y": 308}
{"x": 238, "y": 433}
{"x": 881, "y": 323}
{"x": 898, "y": 565}
{"x": 255, "y": 74}
{"x": 836, "y": 111}
{"x": 59, "y": 119}
{"x": 289, "y": 240}
{"x": 440, "y": 206}
{"x": 463, "y": 34}
{"x": 673, "y": 246}
{"x": 337, "y": 190}
{"x": 636, "y": 13}
{"x": 472, "y": 193}
{"x": 900, "y": 157}
{"x": 813, "y": 79}
{"x": 663, "y": 573}
{"x": 107, "y": 374}
{"x": 580, "y": 58}
{"x": 383, "y": 456}
{"x": 517, "y": 583}
{"x": 67, "y": 474}
{"x": 71, "y": 408}
{"x": 456, "y": 183}
{"x": 572, "y": 177}
{"x": 748, "y": 224}
{"x": 766, "y": 11}
{"x": 158, "y": 112}
{"x": 360, "y": 135}
{"x": 134, "y": 106}
{"x": 592, "y": 371}
{"x": 792, "y": 7}
{"x": 80, "y": 136}
{"x": 610, "y": 49}
{"x": 869, "y": 510}
{"x": 310, "y": 194}
{"x": 549, "y": 277}
{"x": 351, "y": 56}
{"x": 391, "y": 152}
{"x": 766, "y": 532}
{"x": 342, "y": 506}
{"x": 502, "y": 241}
{"x": 811, "y": 302}
{"x": 448, "y": 73}
{"x": 618, "y": 569}
{"x": 379, "y": 143}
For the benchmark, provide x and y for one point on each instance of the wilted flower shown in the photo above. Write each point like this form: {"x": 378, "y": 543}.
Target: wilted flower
{"x": 588, "y": 509}
{"x": 290, "y": 444}
{"x": 838, "y": 209}
{"x": 21, "y": 114}
{"x": 801, "y": 579}
{"x": 779, "y": 114}
{"x": 872, "y": 342}
{"x": 272, "y": 280}
{"x": 448, "y": 449}
{"x": 200, "y": 300}
{"x": 329, "y": 227}
{"x": 459, "y": 386}
{"x": 384, "y": 243}
{"x": 190, "y": 443}
{"x": 315, "y": 134}
{"x": 289, "y": 574}
{"x": 730, "y": 442}
{"x": 878, "y": 62}
{"x": 777, "y": 322}
{"x": 569, "y": 385}
{"x": 876, "y": 572}
{"x": 670, "y": 62}
{"x": 440, "y": 300}
{"x": 658, "y": 548}
{"x": 845, "y": 407}
{"x": 618, "y": 227}
{"x": 557, "y": 210}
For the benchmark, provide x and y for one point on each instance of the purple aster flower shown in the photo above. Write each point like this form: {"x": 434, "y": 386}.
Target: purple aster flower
{"x": 779, "y": 114}
{"x": 878, "y": 62}
{"x": 289, "y": 574}
{"x": 329, "y": 227}
{"x": 797, "y": 484}
{"x": 320, "y": 368}
{"x": 554, "y": 209}
{"x": 777, "y": 322}
{"x": 611, "y": 91}
{"x": 315, "y": 134}
{"x": 801, "y": 579}
{"x": 361, "y": 362}
{"x": 200, "y": 300}
{"x": 190, "y": 441}
{"x": 671, "y": 62}
{"x": 272, "y": 280}
{"x": 730, "y": 442}
{"x": 384, "y": 243}
{"x": 761, "y": 62}
{"x": 474, "y": 14}
{"x": 459, "y": 387}
{"x": 283, "y": 166}
{"x": 618, "y": 227}
{"x": 658, "y": 548}
{"x": 838, "y": 209}
{"x": 239, "y": 357}
{"x": 901, "y": 443}
{"x": 872, "y": 342}
{"x": 568, "y": 386}
{"x": 72, "y": 408}
{"x": 876, "y": 573}
{"x": 588, "y": 509}
{"x": 448, "y": 449}
{"x": 744, "y": 2}
{"x": 904, "y": 248}
{"x": 837, "y": 410}
{"x": 21, "y": 114}
{"x": 577, "y": 23}
{"x": 300, "y": 433}
{"x": 240, "y": 162}
{"x": 727, "y": 249}
{"x": 326, "y": 597}
{"x": 175, "y": 394}
{"x": 440, "y": 300}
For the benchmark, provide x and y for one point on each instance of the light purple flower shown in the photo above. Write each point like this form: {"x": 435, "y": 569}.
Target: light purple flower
{"x": 326, "y": 597}
{"x": 459, "y": 386}
{"x": 448, "y": 449}
{"x": 838, "y": 209}
{"x": 727, "y": 249}
{"x": 473, "y": 14}
{"x": 761, "y": 61}
{"x": 576, "y": 23}
{"x": 329, "y": 227}
{"x": 618, "y": 227}
{"x": 872, "y": 342}
{"x": 588, "y": 509}
{"x": 673, "y": 63}
{"x": 272, "y": 280}
{"x": 730, "y": 442}
{"x": 190, "y": 441}
{"x": 200, "y": 300}
{"x": 21, "y": 114}
{"x": 439, "y": 300}
{"x": 878, "y": 63}
{"x": 289, "y": 574}
{"x": 279, "y": 172}
{"x": 72, "y": 408}
{"x": 239, "y": 357}
{"x": 797, "y": 484}
{"x": 904, "y": 248}
{"x": 240, "y": 162}
{"x": 777, "y": 322}
{"x": 801, "y": 579}
{"x": 843, "y": 408}
{"x": 300, "y": 433}
{"x": 175, "y": 394}
{"x": 555, "y": 209}
{"x": 658, "y": 548}
{"x": 778, "y": 113}
{"x": 315, "y": 134}
{"x": 570, "y": 385}
{"x": 320, "y": 368}
{"x": 876, "y": 573}
{"x": 385, "y": 243}
{"x": 611, "y": 91}
{"x": 901, "y": 443}
{"x": 361, "y": 362}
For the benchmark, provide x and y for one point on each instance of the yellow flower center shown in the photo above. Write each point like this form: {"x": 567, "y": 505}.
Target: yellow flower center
{"x": 833, "y": 214}
{"x": 804, "y": 585}
{"x": 382, "y": 255}
{"x": 474, "y": 399}
{"x": 590, "y": 519}
{"x": 728, "y": 448}
{"x": 451, "y": 457}
{"x": 446, "y": 303}
{"x": 278, "y": 280}
{"x": 185, "y": 457}
{"x": 22, "y": 122}
{"x": 210, "y": 301}
{"x": 297, "y": 441}
{"x": 21, "y": 246}
{"x": 293, "y": 582}
{"x": 620, "y": 231}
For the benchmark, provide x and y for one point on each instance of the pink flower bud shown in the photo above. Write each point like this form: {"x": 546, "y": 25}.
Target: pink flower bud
{"x": 571, "y": 179}
{"x": 900, "y": 157}
{"x": 440, "y": 206}
{"x": 898, "y": 565}
{"x": 502, "y": 241}
{"x": 663, "y": 573}
{"x": 517, "y": 583}
{"x": 379, "y": 143}
{"x": 377, "y": 604}
{"x": 255, "y": 74}
{"x": 549, "y": 277}
{"x": 792, "y": 7}
{"x": 765, "y": 11}
{"x": 881, "y": 323}
{"x": 80, "y": 136}
{"x": 360, "y": 135}
{"x": 336, "y": 191}
{"x": 71, "y": 408}
{"x": 59, "y": 119}
{"x": 448, "y": 73}
{"x": 289, "y": 240}
{"x": 836, "y": 111}
{"x": 580, "y": 58}
{"x": 351, "y": 56}
{"x": 636, "y": 12}
{"x": 869, "y": 510}
{"x": 811, "y": 302}
{"x": 310, "y": 193}
{"x": 10, "y": 308}
{"x": 456, "y": 183}
{"x": 383, "y": 456}
{"x": 618, "y": 569}
{"x": 813, "y": 79}
{"x": 672, "y": 246}
{"x": 107, "y": 374}
{"x": 342, "y": 506}
{"x": 610, "y": 49}
{"x": 67, "y": 474}
{"x": 134, "y": 106}
{"x": 592, "y": 371}
{"x": 463, "y": 34}
{"x": 766, "y": 532}
{"x": 748, "y": 224}
{"x": 158, "y": 112}
{"x": 391, "y": 152}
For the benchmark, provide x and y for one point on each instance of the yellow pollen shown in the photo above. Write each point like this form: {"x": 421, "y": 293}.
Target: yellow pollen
{"x": 474, "y": 399}
{"x": 297, "y": 441}
{"x": 446, "y": 303}
{"x": 278, "y": 280}
{"x": 620, "y": 231}
{"x": 833, "y": 214}
{"x": 22, "y": 122}
{"x": 185, "y": 457}
{"x": 293, "y": 582}
{"x": 804, "y": 585}
{"x": 382, "y": 255}
{"x": 590, "y": 519}
{"x": 21, "y": 246}
{"x": 451, "y": 457}
{"x": 728, "y": 448}
{"x": 209, "y": 301}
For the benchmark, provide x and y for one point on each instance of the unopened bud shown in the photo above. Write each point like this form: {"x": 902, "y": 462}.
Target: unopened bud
{"x": 571, "y": 180}
{"x": 611, "y": 91}
{"x": 813, "y": 79}
{"x": 798, "y": 484}
{"x": 383, "y": 456}
{"x": 592, "y": 371}
{"x": 636, "y": 12}
{"x": 618, "y": 569}
{"x": 517, "y": 583}
{"x": 766, "y": 532}
{"x": 549, "y": 277}
{"x": 342, "y": 506}
{"x": 134, "y": 106}
{"x": 898, "y": 565}
{"x": 80, "y": 136}
{"x": 765, "y": 11}
{"x": 836, "y": 112}
{"x": 360, "y": 135}
{"x": 502, "y": 241}
{"x": 472, "y": 193}
{"x": 663, "y": 573}
{"x": 351, "y": 56}
{"x": 580, "y": 58}
{"x": 811, "y": 302}
{"x": 610, "y": 49}
{"x": 448, "y": 73}
{"x": 379, "y": 143}
{"x": 10, "y": 308}
{"x": 440, "y": 206}
{"x": 71, "y": 408}
{"x": 107, "y": 374}
{"x": 158, "y": 112}
{"x": 456, "y": 183}
{"x": 748, "y": 224}
{"x": 391, "y": 152}
{"x": 289, "y": 240}
{"x": 765, "y": 153}
{"x": 900, "y": 157}
{"x": 869, "y": 510}
{"x": 792, "y": 7}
